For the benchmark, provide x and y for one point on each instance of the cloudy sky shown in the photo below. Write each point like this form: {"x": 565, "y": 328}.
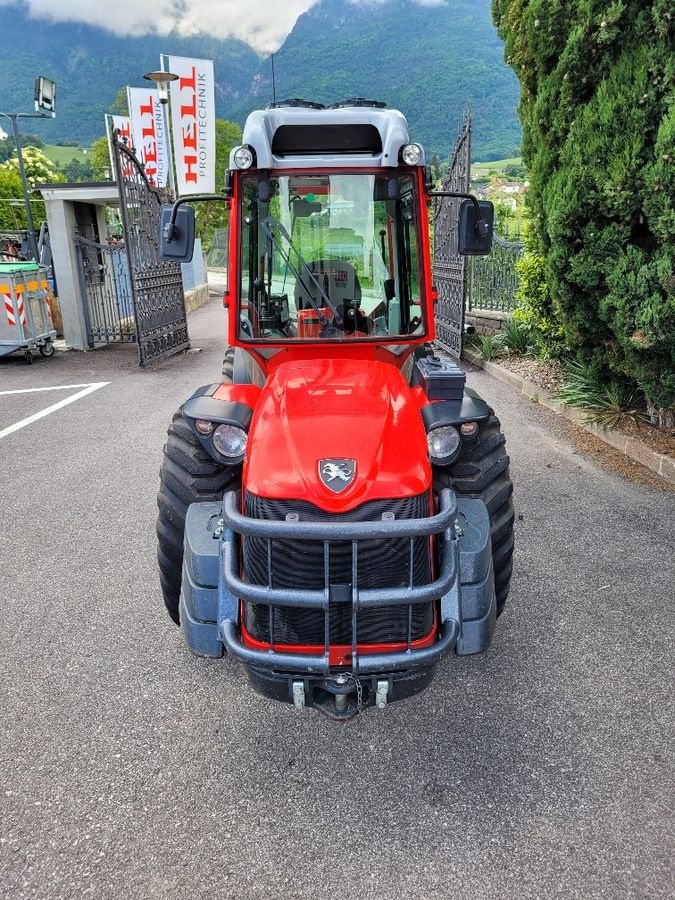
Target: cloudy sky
{"x": 261, "y": 23}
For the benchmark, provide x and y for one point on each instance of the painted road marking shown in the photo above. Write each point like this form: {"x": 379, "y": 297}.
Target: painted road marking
{"x": 58, "y": 387}
{"x": 88, "y": 389}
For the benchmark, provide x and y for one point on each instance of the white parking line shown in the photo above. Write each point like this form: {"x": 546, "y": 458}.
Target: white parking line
{"x": 58, "y": 387}
{"x": 88, "y": 389}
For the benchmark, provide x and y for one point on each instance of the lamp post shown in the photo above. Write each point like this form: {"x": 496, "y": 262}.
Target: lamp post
{"x": 45, "y": 100}
{"x": 163, "y": 80}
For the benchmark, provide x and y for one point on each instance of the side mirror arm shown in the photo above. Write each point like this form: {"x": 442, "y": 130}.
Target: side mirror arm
{"x": 481, "y": 228}
{"x": 170, "y": 227}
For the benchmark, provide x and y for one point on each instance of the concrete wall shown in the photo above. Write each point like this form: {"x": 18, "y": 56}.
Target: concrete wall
{"x": 61, "y": 219}
{"x": 194, "y": 273}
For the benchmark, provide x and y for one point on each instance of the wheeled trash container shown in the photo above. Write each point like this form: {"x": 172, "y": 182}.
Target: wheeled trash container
{"x": 25, "y": 317}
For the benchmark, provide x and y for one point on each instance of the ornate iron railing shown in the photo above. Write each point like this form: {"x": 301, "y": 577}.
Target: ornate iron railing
{"x": 159, "y": 301}
{"x": 448, "y": 266}
{"x": 105, "y": 284}
{"x": 493, "y": 280}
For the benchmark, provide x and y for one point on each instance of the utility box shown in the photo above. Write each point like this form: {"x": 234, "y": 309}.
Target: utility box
{"x": 25, "y": 316}
{"x": 441, "y": 378}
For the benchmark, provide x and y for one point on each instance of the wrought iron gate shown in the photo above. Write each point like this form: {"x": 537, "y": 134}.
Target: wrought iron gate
{"x": 493, "y": 280}
{"x": 159, "y": 302}
{"x": 105, "y": 284}
{"x": 448, "y": 265}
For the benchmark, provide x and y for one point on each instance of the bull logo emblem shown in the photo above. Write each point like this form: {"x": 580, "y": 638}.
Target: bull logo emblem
{"x": 337, "y": 474}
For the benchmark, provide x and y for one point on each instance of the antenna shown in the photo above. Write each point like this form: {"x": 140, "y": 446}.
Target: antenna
{"x": 274, "y": 84}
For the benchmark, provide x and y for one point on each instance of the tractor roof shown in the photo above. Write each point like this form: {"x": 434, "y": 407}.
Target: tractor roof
{"x": 298, "y": 134}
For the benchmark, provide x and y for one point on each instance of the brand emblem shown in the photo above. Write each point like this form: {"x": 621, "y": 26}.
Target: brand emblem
{"x": 337, "y": 474}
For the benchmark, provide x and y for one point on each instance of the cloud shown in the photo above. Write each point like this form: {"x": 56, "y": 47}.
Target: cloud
{"x": 260, "y": 23}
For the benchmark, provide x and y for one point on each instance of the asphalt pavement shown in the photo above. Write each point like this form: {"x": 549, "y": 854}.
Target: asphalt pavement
{"x": 131, "y": 769}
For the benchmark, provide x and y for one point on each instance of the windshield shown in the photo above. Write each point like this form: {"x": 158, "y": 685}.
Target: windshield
{"x": 330, "y": 257}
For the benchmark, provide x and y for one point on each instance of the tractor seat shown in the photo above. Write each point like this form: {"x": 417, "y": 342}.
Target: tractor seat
{"x": 337, "y": 278}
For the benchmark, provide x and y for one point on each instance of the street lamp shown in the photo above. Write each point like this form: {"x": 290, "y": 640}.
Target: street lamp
{"x": 162, "y": 80}
{"x": 45, "y": 108}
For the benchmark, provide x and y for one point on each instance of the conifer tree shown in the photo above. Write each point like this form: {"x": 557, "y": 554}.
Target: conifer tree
{"x": 597, "y": 106}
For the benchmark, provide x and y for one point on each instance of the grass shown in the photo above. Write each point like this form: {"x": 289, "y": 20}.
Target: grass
{"x": 497, "y": 165}
{"x": 63, "y": 155}
{"x": 607, "y": 404}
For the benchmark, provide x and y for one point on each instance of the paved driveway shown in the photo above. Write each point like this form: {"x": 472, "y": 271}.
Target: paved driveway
{"x": 130, "y": 769}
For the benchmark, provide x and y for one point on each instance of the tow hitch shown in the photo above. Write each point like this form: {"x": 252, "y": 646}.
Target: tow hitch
{"x": 341, "y": 697}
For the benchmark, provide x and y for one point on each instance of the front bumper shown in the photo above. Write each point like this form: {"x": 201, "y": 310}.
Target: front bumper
{"x": 213, "y": 590}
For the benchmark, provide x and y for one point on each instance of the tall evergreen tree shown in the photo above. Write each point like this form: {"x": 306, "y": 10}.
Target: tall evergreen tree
{"x": 598, "y": 111}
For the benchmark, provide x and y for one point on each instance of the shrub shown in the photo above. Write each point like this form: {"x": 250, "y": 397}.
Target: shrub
{"x": 515, "y": 337}
{"x": 598, "y": 137}
{"x": 487, "y": 345}
{"x": 606, "y": 402}
{"x": 536, "y": 313}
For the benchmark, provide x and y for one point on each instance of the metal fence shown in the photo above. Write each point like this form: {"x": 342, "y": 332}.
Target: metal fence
{"x": 156, "y": 285}
{"x": 105, "y": 283}
{"x": 449, "y": 268}
{"x": 492, "y": 280}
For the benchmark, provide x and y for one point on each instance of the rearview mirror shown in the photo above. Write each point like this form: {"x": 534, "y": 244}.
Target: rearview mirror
{"x": 176, "y": 244}
{"x": 475, "y": 235}
{"x": 303, "y": 208}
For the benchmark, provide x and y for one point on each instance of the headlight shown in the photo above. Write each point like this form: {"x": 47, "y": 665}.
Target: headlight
{"x": 230, "y": 441}
{"x": 411, "y": 154}
{"x": 444, "y": 444}
{"x": 243, "y": 157}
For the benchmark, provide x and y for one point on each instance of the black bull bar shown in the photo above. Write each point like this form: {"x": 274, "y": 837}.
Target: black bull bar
{"x": 446, "y": 587}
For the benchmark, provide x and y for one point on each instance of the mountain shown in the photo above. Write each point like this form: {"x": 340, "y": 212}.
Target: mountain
{"x": 90, "y": 65}
{"x": 429, "y": 61}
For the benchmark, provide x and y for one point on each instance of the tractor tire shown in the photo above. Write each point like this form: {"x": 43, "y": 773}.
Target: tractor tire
{"x": 482, "y": 472}
{"x": 228, "y": 365}
{"x": 187, "y": 475}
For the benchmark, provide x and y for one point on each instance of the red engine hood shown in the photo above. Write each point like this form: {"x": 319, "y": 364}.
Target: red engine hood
{"x": 313, "y": 410}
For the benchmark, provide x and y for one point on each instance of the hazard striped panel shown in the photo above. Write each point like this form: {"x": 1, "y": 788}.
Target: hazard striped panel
{"x": 10, "y": 312}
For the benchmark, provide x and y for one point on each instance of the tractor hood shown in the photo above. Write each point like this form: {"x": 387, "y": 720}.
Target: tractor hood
{"x": 337, "y": 433}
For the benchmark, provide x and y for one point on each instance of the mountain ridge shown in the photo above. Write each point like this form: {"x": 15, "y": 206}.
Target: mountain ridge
{"x": 430, "y": 62}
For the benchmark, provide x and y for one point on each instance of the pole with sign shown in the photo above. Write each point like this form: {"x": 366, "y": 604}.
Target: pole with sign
{"x": 45, "y": 108}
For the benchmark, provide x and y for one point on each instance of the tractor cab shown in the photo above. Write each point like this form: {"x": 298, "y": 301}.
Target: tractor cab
{"x": 330, "y": 256}
{"x": 329, "y": 231}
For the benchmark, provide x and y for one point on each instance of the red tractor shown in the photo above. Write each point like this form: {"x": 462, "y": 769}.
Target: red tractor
{"x": 337, "y": 513}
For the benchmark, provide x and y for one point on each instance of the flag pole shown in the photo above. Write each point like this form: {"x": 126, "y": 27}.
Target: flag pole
{"x": 163, "y": 61}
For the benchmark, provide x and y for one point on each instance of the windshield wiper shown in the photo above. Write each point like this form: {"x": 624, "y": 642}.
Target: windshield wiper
{"x": 268, "y": 225}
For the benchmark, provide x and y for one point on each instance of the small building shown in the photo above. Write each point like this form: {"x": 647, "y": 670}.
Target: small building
{"x": 90, "y": 287}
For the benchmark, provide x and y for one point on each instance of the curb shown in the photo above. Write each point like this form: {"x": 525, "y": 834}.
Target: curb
{"x": 632, "y": 447}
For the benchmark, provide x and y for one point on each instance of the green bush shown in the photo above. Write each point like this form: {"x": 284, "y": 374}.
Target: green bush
{"x": 516, "y": 338}
{"x": 535, "y": 312}
{"x": 607, "y": 403}
{"x": 597, "y": 105}
{"x": 487, "y": 345}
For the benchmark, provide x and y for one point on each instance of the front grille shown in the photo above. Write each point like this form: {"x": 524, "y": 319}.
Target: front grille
{"x": 300, "y": 564}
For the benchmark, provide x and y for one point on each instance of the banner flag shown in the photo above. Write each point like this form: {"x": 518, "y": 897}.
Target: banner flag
{"x": 193, "y": 112}
{"x": 123, "y": 126}
{"x": 149, "y": 134}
